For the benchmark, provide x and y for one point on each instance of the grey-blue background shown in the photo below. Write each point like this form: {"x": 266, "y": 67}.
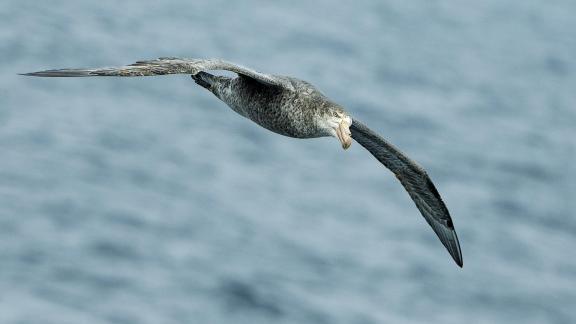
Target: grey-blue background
{"x": 146, "y": 200}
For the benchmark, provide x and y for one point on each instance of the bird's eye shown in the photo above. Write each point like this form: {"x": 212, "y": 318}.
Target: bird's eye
{"x": 335, "y": 114}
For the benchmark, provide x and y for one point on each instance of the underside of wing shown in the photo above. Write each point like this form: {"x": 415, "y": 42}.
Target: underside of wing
{"x": 166, "y": 65}
{"x": 416, "y": 182}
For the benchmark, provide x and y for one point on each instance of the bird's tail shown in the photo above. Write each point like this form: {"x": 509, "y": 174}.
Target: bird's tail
{"x": 204, "y": 79}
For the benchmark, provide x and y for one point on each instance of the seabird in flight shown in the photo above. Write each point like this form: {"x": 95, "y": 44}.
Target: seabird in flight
{"x": 294, "y": 108}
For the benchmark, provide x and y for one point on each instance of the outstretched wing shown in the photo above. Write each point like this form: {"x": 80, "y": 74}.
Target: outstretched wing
{"x": 416, "y": 182}
{"x": 166, "y": 65}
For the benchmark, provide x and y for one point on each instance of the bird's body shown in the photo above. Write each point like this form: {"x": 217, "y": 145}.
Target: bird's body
{"x": 294, "y": 108}
{"x": 291, "y": 112}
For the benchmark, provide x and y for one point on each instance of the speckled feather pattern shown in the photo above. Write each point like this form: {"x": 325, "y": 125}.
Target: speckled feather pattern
{"x": 287, "y": 112}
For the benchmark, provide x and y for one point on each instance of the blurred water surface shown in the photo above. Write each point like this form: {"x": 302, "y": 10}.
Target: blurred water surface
{"x": 146, "y": 200}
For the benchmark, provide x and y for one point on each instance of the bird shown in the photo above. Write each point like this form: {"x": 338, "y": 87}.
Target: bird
{"x": 294, "y": 108}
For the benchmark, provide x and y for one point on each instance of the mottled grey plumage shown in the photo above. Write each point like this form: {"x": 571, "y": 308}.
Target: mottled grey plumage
{"x": 292, "y": 107}
{"x": 291, "y": 111}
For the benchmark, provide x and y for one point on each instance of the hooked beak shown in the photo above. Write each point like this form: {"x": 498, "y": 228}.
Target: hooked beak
{"x": 343, "y": 134}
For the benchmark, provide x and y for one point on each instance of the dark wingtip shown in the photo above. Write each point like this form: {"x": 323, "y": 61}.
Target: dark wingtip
{"x": 455, "y": 250}
{"x": 60, "y": 73}
{"x": 449, "y": 239}
{"x": 455, "y": 253}
{"x": 458, "y": 260}
{"x": 47, "y": 73}
{"x": 37, "y": 74}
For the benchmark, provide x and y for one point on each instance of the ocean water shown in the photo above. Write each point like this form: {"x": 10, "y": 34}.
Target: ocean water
{"x": 146, "y": 200}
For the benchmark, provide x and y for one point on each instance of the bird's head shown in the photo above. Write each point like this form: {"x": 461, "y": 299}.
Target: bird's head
{"x": 337, "y": 124}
